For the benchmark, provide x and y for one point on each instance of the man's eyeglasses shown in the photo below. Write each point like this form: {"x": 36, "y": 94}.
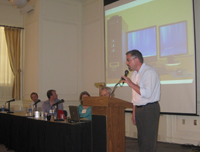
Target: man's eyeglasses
{"x": 133, "y": 58}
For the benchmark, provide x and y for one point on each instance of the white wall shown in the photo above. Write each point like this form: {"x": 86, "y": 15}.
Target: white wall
{"x": 93, "y": 68}
{"x": 10, "y": 16}
{"x": 30, "y": 51}
{"x": 60, "y": 48}
{"x": 64, "y": 50}
{"x": 53, "y": 50}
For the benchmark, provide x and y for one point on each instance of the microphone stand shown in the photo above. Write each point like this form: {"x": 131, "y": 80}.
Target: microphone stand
{"x": 115, "y": 87}
{"x": 56, "y": 106}
{"x": 9, "y": 108}
{"x": 57, "y": 114}
{"x": 35, "y": 107}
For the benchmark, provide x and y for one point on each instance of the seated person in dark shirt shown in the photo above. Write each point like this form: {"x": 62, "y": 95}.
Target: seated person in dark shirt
{"x": 52, "y": 98}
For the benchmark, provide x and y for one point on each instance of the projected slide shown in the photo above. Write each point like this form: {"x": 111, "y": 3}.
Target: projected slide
{"x": 144, "y": 40}
{"x": 163, "y": 30}
{"x": 173, "y": 44}
{"x": 173, "y": 39}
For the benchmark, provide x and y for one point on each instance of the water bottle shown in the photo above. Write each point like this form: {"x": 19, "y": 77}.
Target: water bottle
{"x": 45, "y": 115}
{"x": 30, "y": 111}
{"x": 55, "y": 114}
{"x": 2, "y": 108}
{"x": 51, "y": 112}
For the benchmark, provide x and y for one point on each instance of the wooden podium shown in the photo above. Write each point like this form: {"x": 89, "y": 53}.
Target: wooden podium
{"x": 108, "y": 123}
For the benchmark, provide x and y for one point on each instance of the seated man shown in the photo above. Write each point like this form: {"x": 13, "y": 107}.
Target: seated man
{"x": 37, "y": 104}
{"x": 53, "y": 98}
{"x": 105, "y": 92}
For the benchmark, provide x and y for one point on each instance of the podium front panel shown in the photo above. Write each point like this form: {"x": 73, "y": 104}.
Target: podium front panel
{"x": 99, "y": 138}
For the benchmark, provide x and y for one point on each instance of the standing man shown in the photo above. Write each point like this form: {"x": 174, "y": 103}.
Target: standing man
{"x": 145, "y": 84}
{"x": 36, "y": 102}
{"x": 52, "y": 98}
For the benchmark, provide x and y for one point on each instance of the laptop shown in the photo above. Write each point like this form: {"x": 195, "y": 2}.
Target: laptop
{"x": 75, "y": 115}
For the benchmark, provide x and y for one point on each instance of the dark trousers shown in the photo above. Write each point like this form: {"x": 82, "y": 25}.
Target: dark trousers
{"x": 147, "y": 119}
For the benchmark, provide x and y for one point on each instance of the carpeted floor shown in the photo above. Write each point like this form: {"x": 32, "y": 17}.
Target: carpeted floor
{"x": 132, "y": 146}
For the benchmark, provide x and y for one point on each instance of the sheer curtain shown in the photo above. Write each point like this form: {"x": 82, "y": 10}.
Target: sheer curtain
{"x": 13, "y": 41}
{"x": 6, "y": 74}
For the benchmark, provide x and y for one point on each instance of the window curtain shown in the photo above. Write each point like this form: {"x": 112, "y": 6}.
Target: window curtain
{"x": 6, "y": 75}
{"x": 13, "y": 40}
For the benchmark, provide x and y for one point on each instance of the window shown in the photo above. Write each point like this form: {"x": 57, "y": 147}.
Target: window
{"x": 6, "y": 75}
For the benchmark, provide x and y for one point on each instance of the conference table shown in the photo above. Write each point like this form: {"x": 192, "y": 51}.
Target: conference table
{"x": 27, "y": 134}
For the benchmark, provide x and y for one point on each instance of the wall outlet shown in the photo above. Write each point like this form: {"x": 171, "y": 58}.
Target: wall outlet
{"x": 183, "y": 121}
{"x": 195, "y": 122}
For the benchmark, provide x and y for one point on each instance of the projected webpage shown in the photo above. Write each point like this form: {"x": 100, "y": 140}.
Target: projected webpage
{"x": 164, "y": 32}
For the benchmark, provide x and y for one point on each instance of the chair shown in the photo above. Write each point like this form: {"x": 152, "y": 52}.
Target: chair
{"x": 65, "y": 113}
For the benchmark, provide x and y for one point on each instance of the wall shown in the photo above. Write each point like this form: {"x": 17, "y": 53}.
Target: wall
{"x": 10, "y": 16}
{"x": 93, "y": 45}
{"x": 30, "y": 51}
{"x": 53, "y": 50}
{"x": 60, "y": 48}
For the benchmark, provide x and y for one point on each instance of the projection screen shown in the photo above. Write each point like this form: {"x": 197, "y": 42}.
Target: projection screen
{"x": 163, "y": 30}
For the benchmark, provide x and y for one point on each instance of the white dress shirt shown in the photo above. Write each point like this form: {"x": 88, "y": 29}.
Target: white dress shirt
{"x": 148, "y": 80}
